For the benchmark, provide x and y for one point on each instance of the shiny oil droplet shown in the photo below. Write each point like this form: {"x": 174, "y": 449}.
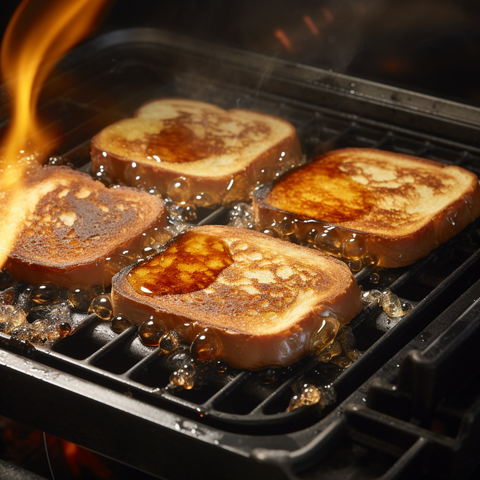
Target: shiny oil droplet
{"x": 332, "y": 350}
{"x": 306, "y": 394}
{"x": 203, "y": 199}
{"x": 353, "y": 354}
{"x": 45, "y": 294}
{"x": 370, "y": 260}
{"x": 101, "y": 306}
{"x": 329, "y": 241}
{"x": 324, "y": 335}
{"x": 150, "y": 332}
{"x": 183, "y": 378}
{"x": 80, "y": 297}
{"x": 355, "y": 265}
{"x": 220, "y": 366}
{"x": 371, "y": 296}
{"x": 354, "y": 246}
{"x": 179, "y": 190}
{"x": 391, "y": 304}
{"x": 268, "y": 376}
{"x": 120, "y": 323}
{"x": 342, "y": 362}
{"x": 271, "y": 232}
{"x": 168, "y": 342}
{"x": 104, "y": 177}
{"x": 374, "y": 278}
{"x": 206, "y": 346}
{"x": 115, "y": 263}
{"x": 185, "y": 331}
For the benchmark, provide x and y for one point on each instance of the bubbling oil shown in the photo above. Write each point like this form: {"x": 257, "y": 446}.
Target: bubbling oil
{"x": 101, "y": 306}
{"x": 332, "y": 344}
{"x": 38, "y": 315}
{"x": 150, "y": 332}
{"x": 206, "y": 346}
{"x": 390, "y": 303}
{"x": 185, "y": 191}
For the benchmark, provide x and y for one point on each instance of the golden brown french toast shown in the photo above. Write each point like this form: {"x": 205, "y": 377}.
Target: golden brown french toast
{"x": 196, "y": 152}
{"x": 260, "y": 299}
{"x": 75, "y": 225}
{"x": 389, "y": 208}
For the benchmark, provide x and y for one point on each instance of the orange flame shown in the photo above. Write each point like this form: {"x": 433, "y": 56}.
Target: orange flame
{"x": 80, "y": 460}
{"x": 281, "y": 35}
{"x": 327, "y": 14}
{"x": 39, "y": 33}
{"x": 309, "y": 22}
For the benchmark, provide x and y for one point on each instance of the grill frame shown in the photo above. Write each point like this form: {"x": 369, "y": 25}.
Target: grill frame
{"x": 163, "y": 430}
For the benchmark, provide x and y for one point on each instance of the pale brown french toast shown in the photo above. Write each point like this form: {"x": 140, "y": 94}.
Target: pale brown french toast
{"x": 75, "y": 225}
{"x": 196, "y": 152}
{"x": 389, "y": 208}
{"x": 260, "y": 299}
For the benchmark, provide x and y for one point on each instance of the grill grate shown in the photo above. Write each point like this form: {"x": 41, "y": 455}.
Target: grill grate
{"x": 96, "y": 89}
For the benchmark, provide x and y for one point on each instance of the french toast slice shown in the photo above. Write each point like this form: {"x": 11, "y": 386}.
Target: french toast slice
{"x": 75, "y": 225}
{"x": 387, "y": 208}
{"x": 258, "y": 299}
{"x": 196, "y": 152}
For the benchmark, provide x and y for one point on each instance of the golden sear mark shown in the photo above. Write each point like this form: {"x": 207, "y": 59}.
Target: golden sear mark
{"x": 191, "y": 263}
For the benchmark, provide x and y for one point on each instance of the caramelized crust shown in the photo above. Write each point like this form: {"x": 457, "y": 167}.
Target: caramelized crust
{"x": 394, "y": 207}
{"x": 263, "y": 307}
{"x": 78, "y": 222}
{"x": 215, "y": 154}
{"x": 189, "y": 264}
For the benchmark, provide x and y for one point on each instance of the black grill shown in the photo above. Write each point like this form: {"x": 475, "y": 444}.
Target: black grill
{"x": 412, "y": 395}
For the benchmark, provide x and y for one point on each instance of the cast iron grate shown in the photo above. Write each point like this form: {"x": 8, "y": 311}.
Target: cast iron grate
{"x": 110, "y": 85}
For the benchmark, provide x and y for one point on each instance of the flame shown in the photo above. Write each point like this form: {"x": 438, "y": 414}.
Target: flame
{"x": 281, "y": 35}
{"x": 327, "y": 14}
{"x": 309, "y": 22}
{"x": 39, "y": 33}
{"x": 81, "y": 460}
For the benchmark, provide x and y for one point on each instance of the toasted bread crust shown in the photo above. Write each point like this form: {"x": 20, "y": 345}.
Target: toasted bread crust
{"x": 262, "y": 309}
{"x": 76, "y": 224}
{"x": 231, "y": 152}
{"x": 393, "y": 207}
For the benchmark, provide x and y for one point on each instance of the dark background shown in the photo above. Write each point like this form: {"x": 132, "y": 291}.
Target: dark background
{"x": 431, "y": 46}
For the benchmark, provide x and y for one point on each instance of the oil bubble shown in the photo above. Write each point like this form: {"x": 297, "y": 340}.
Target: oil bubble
{"x": 371, "y": 296}
{"x": 150, "y": 332}
{"x": 179, "y": 190}
{"x": 206, "y": 346}
{"x": 324, "y": 335}
{"x": 332, "y": 350}
{"x": 374, "y": 278}
{"x": 391, "y": 304}
{"x": 80, "y": 297}
{"x": 45, "y": 294}
{"x": 305, "y": 394}
{"x": 11, "y": 317}
{"x": 169, "y": 342}
{"x": 182, "y": 378}
{"x": 115, "y": 263}
{"x": 221, "y": 366}
{"x": 101, "y": 306}
{"x": 269, "y": 375}
{"x": 120, "y": 323}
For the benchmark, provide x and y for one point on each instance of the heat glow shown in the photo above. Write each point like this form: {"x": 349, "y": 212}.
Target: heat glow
{"x": 281, "y": 35}
{"x": 38, "y": 35}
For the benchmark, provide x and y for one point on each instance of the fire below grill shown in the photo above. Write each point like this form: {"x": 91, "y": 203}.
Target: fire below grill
{"x": 410, "y": 403}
